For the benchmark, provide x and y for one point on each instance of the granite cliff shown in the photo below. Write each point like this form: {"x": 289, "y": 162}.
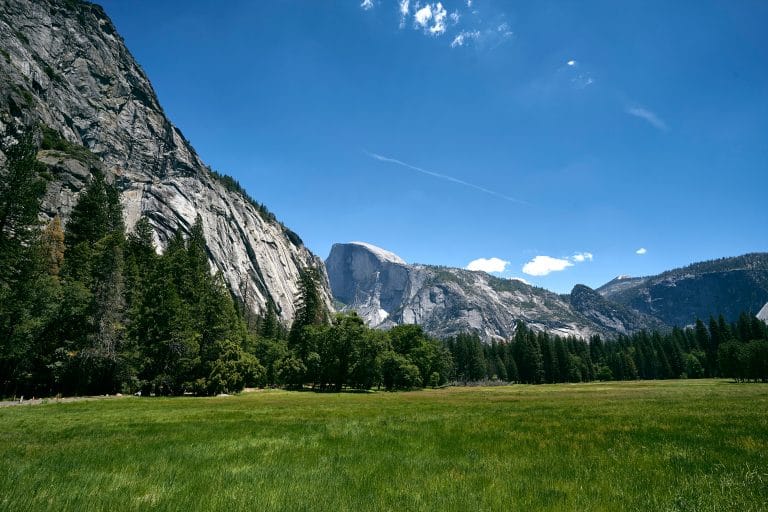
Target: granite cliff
{"x": 64, "y": 66}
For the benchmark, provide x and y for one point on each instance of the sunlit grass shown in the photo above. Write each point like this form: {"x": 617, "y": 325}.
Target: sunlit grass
{"x": 674, "y": 445}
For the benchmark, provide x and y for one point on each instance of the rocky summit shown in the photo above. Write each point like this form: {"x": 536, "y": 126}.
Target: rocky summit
{"x": 386, "y": 291}
{"x": 64, "y": 66}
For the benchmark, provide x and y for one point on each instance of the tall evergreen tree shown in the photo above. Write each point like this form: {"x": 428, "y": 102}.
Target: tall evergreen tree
{"x": 309, "y": 305}
{"x": 93, "y": 273}
{"x": 27, "y": 288}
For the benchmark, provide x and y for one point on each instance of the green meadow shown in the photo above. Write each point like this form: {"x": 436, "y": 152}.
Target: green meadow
{"x": 698, "y": 445}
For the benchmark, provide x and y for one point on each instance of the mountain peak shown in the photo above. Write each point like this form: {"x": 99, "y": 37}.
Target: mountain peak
{"x": 382, "y": 254}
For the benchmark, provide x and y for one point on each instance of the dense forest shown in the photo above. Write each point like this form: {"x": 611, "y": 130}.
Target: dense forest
{"x": 90, "y": 309}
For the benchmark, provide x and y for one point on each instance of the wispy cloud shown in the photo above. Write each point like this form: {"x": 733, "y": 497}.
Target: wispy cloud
{"x": 464, "y": 37}
{"x": 464, "y": 25}
{"x": 648, "y": 116}
{"x": 488, "y": 264}
{"x": 441, "y": 176}
{"x": 581, "y": 257}
{"x": 405, "y": 8}
{"x": 641, "y": 251}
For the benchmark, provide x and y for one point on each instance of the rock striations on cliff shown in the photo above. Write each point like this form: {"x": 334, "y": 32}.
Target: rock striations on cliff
{"x": 63, "y": 65}
{"x": 385, "y": 291}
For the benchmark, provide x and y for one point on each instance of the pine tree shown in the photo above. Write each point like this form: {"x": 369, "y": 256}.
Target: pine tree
{"x": 96, "y": 214}
{"x": 93, "y": 271}
{"x": 309, "y": 306}
{"x": 27, "y": 290}
{"x": 21, "y": 190}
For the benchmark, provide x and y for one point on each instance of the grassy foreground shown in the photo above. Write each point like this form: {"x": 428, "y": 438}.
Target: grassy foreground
{"x": 674, "y": 445}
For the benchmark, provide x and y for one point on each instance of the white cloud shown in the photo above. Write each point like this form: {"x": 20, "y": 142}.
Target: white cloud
{"x": 488, "y": 264}
{"x": 521, "y": 280}
{"x": 581, "y": 257}
{"x": 641, "y": 251}
{"x": 463, "y": 24}
{"x": 434, "y": 13}
{"x": 571, "y": 62}
{"x": 543, "y": 265}
{"x": 405, "y": 6}
{"x": 423, "y": 15}
{"x": 439, "y": 14}
{"x": 648, "y": 116}
{"x": 464, "y": 37}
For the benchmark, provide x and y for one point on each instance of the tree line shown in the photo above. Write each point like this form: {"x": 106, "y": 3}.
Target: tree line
{"x": 88, "y": 308}
{"x": 716, "y": 349}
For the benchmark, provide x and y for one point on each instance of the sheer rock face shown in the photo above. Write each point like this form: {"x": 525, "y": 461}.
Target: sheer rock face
{"x": 63, "y": 64}
{"x": 386, "y": 291}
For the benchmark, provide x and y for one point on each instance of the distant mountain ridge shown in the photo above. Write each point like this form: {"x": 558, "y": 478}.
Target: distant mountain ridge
{"x": 727, "y": 286}
{"x": 386, "y": 291}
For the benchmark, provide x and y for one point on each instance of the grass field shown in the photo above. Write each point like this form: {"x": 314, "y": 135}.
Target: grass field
{"x": 645, "y": 446}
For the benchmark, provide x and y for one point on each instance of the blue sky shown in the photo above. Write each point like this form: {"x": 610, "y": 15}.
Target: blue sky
{"x": 557, "y": 137}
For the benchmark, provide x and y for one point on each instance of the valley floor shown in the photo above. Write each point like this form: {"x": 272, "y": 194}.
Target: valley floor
{"x": 667, "y": 445}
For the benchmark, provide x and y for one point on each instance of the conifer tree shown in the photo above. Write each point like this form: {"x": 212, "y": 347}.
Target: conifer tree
{"x": 93, "y": 274}
{"x": 309, "y": 306}
{"x": 27, "y": 291}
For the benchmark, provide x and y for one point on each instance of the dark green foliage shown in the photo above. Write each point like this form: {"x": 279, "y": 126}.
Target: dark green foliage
{"x": 346, "y": 354}
{"x": 52, "y": 140}
{"x": 21, "y": 190}
{"x": 186, "y": 324}
{"x": 535, "y": 358}
{"x": 310, "y": 309}
{"x": 398, "y": 372}
{"x": 28, "y": 290}
{"x": 96, "y": 214}
{"x": 469, "y": 359}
